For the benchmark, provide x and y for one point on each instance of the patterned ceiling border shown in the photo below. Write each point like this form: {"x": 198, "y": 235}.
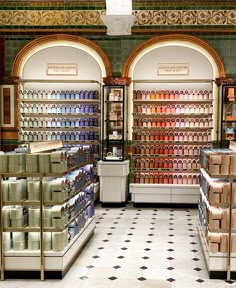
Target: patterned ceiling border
{"x": 66, "y": 18}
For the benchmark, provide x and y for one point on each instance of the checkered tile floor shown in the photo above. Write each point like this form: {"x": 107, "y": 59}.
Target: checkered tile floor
{"x": 137, "y": 248}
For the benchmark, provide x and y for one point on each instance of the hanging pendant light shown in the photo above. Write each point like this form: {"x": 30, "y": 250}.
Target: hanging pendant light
{"x": 118, "y": 18}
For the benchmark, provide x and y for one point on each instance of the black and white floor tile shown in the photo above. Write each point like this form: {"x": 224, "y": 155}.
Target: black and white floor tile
{"x": 137, "y": 248}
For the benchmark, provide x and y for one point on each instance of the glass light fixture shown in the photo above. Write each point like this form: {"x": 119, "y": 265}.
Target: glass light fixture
{"x": 118, "y": 18}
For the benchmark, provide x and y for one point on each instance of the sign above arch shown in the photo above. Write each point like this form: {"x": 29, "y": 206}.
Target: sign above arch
{"x": 57, "y": 41}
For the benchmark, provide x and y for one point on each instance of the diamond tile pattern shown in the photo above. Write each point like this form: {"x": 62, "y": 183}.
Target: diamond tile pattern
{"x": 138, "y": 259}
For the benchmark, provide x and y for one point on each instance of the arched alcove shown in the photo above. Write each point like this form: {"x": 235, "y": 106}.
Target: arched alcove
{"x": 58, "y": 63}
{"x": 202, "y": 60}
{"x": 60, "y": 41}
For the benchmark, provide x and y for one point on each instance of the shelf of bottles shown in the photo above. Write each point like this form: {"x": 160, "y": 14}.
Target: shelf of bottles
{"x": 169, "y": 130}
{"x": 68, "y": 115}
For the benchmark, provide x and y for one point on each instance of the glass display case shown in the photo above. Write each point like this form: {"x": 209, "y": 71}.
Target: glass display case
{"x": 113, "y": 123}
{"x": 228, "y": 121}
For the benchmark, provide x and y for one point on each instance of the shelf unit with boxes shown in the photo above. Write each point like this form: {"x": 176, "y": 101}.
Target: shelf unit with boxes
{"x": 217, "y": 211}
{"x": 60, "y": 110}
{"x": 47, "y": 211}
{"x": 172, "y": 122}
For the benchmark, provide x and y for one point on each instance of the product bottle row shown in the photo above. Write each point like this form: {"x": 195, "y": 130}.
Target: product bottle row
{"x": 26, "y": 136}
{"x": 58, "y": 108}
{"x": 181, "y": 150}
{"x": 58, "y": 122}
{"x": 59, "y": 94}
{"x": 172, "y": 109}
{"x": 161, "y": 136}
{"x": 164, "y": 178}
{"x": 172, "y": 94}
{"x": 173, "y": 122}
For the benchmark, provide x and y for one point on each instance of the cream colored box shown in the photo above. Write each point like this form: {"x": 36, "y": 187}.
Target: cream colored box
{"x": 224, "y": 169}
{"x": 223, "y": 243}
{"x": 213, "y": 247}
{"x": 215, "y": 159}
{"x": 232, "y": 170}
{"x": 214, "y": 169}
{"x": 225, "y": 159}
{"x": 233, "y": 160}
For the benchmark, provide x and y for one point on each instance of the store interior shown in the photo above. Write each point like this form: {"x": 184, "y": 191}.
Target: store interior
{"x": 118, "y": 152}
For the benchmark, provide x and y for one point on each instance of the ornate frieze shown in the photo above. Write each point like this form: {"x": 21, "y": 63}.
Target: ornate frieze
{"x": 92, "y": 17}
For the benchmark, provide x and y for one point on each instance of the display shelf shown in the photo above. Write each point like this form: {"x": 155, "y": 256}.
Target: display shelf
{"x": 56, "y": 263}
{"x": 171, "y": 121}
{"x": 113, "y": 119}
{"x": 217, "y": 186}
{"x": 216, "y": 263}
{"x": 61, "y": 111}
{"x": 74, "y": 217}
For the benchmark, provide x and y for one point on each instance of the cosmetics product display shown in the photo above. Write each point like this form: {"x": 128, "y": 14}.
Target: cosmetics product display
{"x": 214, "y": 213}
{"x": 172, "y": 95}
{"x": 170, "y": 127}
{"x": 217, "y": 207}
{"x": 218, "y": 161}
{"x": 58, "y": 95}
{"x": 67, "y": 199}
{"x": 68, "y": 115}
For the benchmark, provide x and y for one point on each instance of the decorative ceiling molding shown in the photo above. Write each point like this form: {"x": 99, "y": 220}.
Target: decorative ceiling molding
{"x": 144, "y": 18}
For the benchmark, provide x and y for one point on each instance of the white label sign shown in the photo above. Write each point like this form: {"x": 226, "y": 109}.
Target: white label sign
{"x": 62, "y": 69}
{"x": 173, "y": 69}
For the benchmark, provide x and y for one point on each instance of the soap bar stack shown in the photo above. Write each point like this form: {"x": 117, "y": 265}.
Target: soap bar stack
{"x": 218, "y": 242}
{"x": 218, "y": 161}
{"x": 216, "y": 190}
{"x": 218, "y": 218}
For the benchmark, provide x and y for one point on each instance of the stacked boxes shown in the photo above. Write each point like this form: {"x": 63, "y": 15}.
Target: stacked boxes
{"x": 216, "y": 190}
{"x": 214, "y": 212}
{"x": 218, "y": 161}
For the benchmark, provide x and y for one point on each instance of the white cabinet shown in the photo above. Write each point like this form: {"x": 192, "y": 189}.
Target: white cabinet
{"x": 113, "y": 181}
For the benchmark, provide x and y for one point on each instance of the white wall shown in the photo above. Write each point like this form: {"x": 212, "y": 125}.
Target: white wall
{"x": 35, "y": 67}
{"x": 147, "y": 66}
